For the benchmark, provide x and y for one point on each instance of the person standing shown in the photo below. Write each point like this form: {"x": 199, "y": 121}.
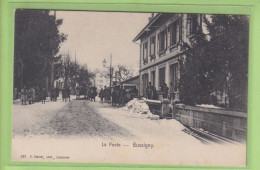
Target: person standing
{"x": 101, "y": 95}
{"x": 121, "y": 96}
{"x": 43, "y": 95}
{"x": 171, "y": 92}
{"x": 52, "y": 94}
{"x": 68, "y": 93}
{"x": 149, "y": 90}
{"x": 29, "y": 95}
{"x": 164, "y": 90}
{"x": 57, "y": 91}
{"x": 114, "y": 96}
{"x": 33, "y": 95}
{"x": 63, "y": 95}
{"x": 23, "y": 95}
{"x": 135, "y": 92}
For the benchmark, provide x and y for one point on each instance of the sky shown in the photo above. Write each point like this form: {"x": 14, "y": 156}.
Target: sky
{"x": 94, "y": 36}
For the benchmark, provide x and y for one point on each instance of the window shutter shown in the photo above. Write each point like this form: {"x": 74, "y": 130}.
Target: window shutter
{"x": 178, "y": 31}
{"x": 158, "y": 43}
{"x": 165, "y": 39}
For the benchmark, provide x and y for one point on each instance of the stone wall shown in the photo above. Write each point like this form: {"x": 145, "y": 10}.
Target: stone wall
{"x": 229, "y": 124}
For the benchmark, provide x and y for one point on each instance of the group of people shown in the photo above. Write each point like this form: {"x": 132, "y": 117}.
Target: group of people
{"x": 105, "y": 95}
{"x": 166, "y": 92}
{"x": 32, "y": 95}
{"x": 89, "y": 92}
{"x": 54, "y": 94}
{"x": 118, "y": 95}
{"x": 65, "y": 94}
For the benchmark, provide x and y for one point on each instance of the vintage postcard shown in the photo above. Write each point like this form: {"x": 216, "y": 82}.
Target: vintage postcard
{"x": 130, "y": 88}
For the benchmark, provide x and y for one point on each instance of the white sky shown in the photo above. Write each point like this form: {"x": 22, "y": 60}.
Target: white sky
{"x": 96, "y": 35}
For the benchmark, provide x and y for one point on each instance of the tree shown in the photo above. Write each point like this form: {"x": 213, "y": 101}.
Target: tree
{"x": 37, "y": 42}
{"x": 229, "y": 35}
{"x": 216, "y": 61}
{"x": 84, "y": 76}
{"x": 195, "y": 84}
{"x": 69, "y": 70}
{"x": 122, "y": 73}
{"x": 74, "y": 73}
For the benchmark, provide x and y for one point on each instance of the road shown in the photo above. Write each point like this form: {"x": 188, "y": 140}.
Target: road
{"x": 83, "y": 130}
{"x": 75, "y": 118}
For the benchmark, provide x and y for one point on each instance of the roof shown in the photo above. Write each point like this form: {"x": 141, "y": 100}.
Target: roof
{"x": 155, "y": 22}
{"x": 130, "y": 79}
{"x": 144, "y": 30}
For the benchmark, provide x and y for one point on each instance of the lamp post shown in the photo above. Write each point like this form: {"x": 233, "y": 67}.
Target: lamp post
{"x": 110, "y": 70}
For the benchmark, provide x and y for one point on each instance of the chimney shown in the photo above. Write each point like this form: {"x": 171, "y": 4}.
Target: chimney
{"x": 151, "y": 17}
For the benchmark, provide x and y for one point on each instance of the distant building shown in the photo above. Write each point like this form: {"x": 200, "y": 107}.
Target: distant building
{"x": 100, "y": 81}
{"x": 160, "y": 46}
{"x": 131, "y": 83}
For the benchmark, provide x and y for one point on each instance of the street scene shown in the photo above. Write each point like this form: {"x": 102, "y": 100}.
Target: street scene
{"x": 133, "y": 88}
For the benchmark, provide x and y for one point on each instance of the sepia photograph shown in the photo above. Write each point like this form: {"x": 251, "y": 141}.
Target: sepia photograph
{"x": 130, "y": 88}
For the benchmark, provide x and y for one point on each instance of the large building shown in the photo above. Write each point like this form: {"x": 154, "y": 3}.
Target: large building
{"x": 160, "y": 46}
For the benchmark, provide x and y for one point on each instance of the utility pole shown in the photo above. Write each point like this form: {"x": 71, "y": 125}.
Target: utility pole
{"x": 111, "y": 71}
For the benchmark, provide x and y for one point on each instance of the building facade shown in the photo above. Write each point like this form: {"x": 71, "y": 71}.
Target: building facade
{"x": 100, "y": 81}
{"x": 160, "y": 47}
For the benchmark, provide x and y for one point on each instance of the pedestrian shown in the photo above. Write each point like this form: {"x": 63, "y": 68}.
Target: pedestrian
{"x": 57, "y": 91}
{"x": 109, "y": 95}
{"x": 149, "y": 90}
{"x": 37, "y": 94}
{"x": 88, "y": 93}
{"x": 43, "y": 95}
{"x": 101, "y": 95}
{"x": 171, "y": 92}
{"x": 121, "y": 96}
{"x": 93, "y": 93}
{"x": 29, "y": 95}
{"x": 134, "y": 92}
{"x": 63, "y": 95}
{"x": 53, "y": 93}
{"x": 164, "y": 90}
{"x": 33, "y": 95}
{"x": 23, "y": 95}
{"x": 154, "y": 94}
{"x": 84, "y": 91}
{"x": 114, "y": 96}
{"x": 68, "y": 93}
{"x": 105, "y": 94}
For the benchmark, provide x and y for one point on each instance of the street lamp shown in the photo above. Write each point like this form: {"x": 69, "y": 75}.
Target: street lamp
{"x": 110, "y": 69}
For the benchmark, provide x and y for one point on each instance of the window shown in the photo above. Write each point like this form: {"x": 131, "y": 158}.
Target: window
{"x": 152, "y": 47}
{"x": 174, "y": 32}
{"x": 153, "y": 78}
{"x": 145, "y": 52}
{"x": 162, "y": 41}
{"x": 192, "y": 24}
{"x": 161, "y": 76}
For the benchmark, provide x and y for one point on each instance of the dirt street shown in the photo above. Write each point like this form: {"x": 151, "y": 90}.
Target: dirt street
{"x": 75, "y": 118}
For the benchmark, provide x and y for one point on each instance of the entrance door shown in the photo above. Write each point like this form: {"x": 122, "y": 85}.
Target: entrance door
{"x": 145, "y": 83}
{"x": 161, "y": 76}
{"x": 174, "y": 75}
{"x": 153, "y": 78}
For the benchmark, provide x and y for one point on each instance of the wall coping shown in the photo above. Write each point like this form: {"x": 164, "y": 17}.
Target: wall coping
{"x": 213, "y": 110}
